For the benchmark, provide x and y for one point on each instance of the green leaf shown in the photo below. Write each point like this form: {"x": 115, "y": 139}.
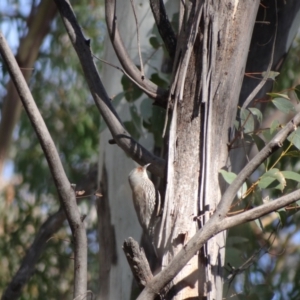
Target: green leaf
{"x": 158, "y": 122}
{"x": 282, "y": 216}
{"x": 283, "y": 105}
{"x": 279, "y": 95}
{"x": 131, "y": 91}
{"x": 257, "y": 113}
{"x": 236, "y": 124}
{"x": 229, "y": 178}
{"x": 268, "y": 135}
{"x": 270, "y": 176}
{"x": 154, "y": 42}
{"x": 236, "y": 240}
{"x": 259, "y": 142}
{"x": 274, "y": 125}
{"x": 117, "y": 99}
{"x": 157, "y": 79}
{"x": 297, "y": 91}
{"x": 293, "y": 153}
{"x": 146, "y": 108}
{"x": 272, "y": 74}
{"x": 291, "y": 175}
{"x": 265, "y": 182}
{"x": 247, "y": 120}
{"x": 294, "y": 138}
{"x": 131, "y": 128}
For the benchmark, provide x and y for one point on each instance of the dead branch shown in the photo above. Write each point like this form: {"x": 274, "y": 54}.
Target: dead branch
{"x": 138, "y": 262}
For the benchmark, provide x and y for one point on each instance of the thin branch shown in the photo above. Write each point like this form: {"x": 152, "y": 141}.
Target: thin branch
{"x": 219, "y": 221}
{"x": 259, "y": 158}
{"x": 267, "y": 73}
{"x": 110, "y": 116}
{"x": 27, "y": 268}
{"x": 63, "y": 186}
{"x": 211, "y": 228}
{"x": 152, "y": 90}
{"x": 138, "y": 39}
{"x": 164, "y": 26}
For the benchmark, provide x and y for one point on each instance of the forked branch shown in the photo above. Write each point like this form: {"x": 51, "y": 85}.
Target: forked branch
{"x": 152, "y": 90}
{"x": 219, "y": 221}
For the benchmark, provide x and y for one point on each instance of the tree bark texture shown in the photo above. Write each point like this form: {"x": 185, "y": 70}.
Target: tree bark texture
{"x": 200, "y": 131}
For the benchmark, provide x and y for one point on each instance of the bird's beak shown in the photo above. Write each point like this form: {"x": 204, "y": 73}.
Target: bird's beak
{"x": 146, "y": 166}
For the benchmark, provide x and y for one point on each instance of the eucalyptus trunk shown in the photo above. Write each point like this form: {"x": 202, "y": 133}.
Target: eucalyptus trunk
{"x": 214, "y": 41}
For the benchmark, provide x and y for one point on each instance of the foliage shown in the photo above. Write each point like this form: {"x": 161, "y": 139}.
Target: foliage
{"x": 62, "y": 96}
{"x": 60, "y": 91}
{"x": 261, "y": 255}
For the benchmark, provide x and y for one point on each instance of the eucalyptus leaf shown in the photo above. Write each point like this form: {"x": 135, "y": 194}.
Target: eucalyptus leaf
{"x": 294, "y": 138}
{"x": 271, "y": 75}
{"x": 279, "y": 95}
{"x": 297, "y": 91}
{"x": 257, "y": 113}
{"x": 247, "y": 120}
{"x": 291, "y": 175}
{"x": 270, "y": 176}
{"x": 283, "y": 105}
{"x": 229, "y": 178}
{"x": 274, "y": 125}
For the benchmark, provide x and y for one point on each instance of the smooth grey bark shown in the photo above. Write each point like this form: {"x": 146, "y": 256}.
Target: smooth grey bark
{"x": 114, "y": 164}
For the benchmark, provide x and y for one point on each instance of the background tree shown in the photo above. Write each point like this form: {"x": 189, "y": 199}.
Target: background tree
{"x": 212, "y": 57}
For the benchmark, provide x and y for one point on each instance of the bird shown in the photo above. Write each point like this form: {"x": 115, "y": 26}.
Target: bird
{"x": 146, "y": 198}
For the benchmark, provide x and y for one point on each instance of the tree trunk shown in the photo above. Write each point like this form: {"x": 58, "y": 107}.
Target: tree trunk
{"x": 211, "y": 55}
{"x": 200, "y": 131}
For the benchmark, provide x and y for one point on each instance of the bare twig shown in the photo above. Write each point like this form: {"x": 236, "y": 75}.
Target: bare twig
{"x": 27, "y": 268}
{"x": 110, "y": 116}
{"x": 164, "y": 26}
{"x": 152, "y": 90}
{"x": 219, "y": 221}
{"x": 267, "y": 73}
{"x": 138, "y": 39}
{"x": 63, "y": 186}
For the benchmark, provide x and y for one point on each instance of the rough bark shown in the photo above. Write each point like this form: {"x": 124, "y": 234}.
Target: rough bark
{"x": 218, "y": 59}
